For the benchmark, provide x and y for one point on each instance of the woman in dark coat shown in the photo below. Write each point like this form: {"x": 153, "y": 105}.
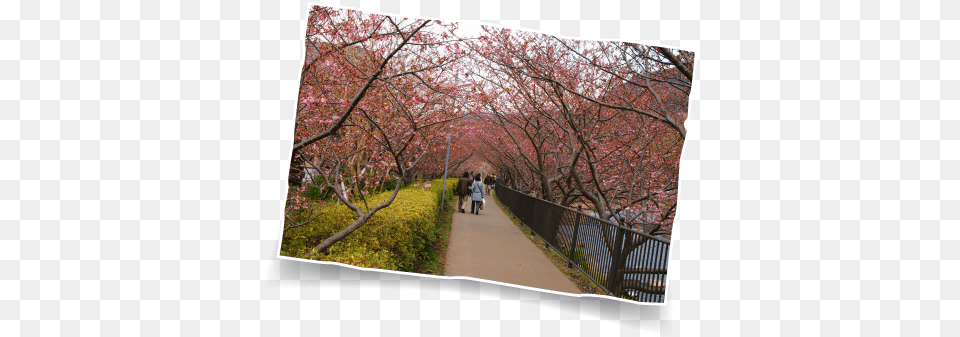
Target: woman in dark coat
{"x": 463, "y": 189}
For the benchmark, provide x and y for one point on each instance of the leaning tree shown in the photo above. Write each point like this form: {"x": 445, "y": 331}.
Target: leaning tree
{"x": 376, "y": 94}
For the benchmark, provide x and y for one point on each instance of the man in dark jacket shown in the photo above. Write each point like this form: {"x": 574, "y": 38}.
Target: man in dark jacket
{"x": 463, "y": 189}
{"x": 486, "y": 184}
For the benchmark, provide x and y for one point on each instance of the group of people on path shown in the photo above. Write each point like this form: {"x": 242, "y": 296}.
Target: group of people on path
{"x": 475, "y": 189}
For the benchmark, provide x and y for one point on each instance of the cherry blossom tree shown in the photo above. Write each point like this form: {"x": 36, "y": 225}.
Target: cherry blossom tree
{"x": 594, "y": 121}
{"x": 376, "y": 92}
{"x": 594, "y": 124}
{"x": 600, "y": 121}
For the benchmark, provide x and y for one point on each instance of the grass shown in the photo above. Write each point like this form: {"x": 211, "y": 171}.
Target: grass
{"x": 580, "y": 259}
{"x": 584, "y": 283}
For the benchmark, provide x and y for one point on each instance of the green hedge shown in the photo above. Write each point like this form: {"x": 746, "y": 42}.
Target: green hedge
{"x": 395, "y": 238}
{"x": 314, "y": 193}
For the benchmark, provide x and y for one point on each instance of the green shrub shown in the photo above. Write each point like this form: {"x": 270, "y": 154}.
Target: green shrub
{"x": 395, "y": 238}
{"x": 317, "y": 190}
{"x": 314, "y": 193}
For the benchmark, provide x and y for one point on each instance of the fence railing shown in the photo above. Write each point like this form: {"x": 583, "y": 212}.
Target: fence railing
{"x": 623, "y": 261}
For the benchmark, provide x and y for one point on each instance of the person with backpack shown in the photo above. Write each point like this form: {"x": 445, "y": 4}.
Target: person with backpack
{"x": 487, "y": 182}
{"x": 463, "y": 189}
{"x": 477, "y": 189}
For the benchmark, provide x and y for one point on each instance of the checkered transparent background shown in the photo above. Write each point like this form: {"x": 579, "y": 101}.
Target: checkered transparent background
{"x": 143, "y": 157}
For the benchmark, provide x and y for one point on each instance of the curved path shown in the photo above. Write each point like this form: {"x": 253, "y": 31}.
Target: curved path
{"x": 489, "y": 246}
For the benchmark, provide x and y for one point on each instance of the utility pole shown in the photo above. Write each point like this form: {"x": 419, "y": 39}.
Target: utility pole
{"x": 445, "y": 163}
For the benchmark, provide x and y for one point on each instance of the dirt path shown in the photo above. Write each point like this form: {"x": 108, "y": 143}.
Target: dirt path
{"x": 489, "y": 246}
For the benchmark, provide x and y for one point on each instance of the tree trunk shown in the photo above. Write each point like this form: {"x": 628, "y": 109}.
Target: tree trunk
{"x": 546, "y": 188}
{"x": 296, "y": 174}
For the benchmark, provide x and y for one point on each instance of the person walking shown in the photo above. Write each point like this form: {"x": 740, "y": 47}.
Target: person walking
{"x": 463, "y": 189}
{"x": 493, "y": 182}
{"x": 477, "y": 189}
{"x": 486, "y": 183}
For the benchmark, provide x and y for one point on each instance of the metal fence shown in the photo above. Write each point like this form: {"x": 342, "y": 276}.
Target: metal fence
{"x": 623, "y": 261}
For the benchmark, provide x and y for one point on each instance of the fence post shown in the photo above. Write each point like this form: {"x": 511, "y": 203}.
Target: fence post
{"x": 576, "y": 230}
{"x": 614, "y": 275}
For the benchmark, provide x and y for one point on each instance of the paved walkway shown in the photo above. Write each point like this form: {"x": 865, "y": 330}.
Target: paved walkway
{"x": 489, "y": 246}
